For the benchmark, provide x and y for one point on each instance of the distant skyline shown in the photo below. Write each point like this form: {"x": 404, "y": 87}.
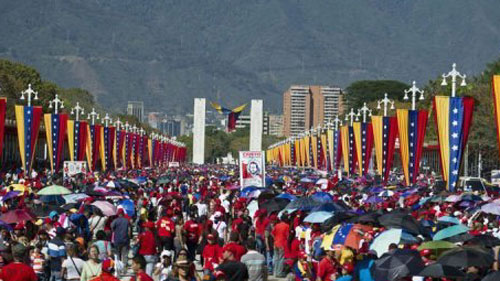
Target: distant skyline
{"x": 165, "y": 53}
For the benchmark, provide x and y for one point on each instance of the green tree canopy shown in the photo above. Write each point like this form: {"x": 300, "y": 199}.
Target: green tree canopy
{"x": 371, "y": 90}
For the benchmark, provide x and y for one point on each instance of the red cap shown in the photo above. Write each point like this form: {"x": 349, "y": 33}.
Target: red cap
{"x": 120, "y": 211}
{"x": 231, "y": 249}
{"x": 19, "y": 226}
{"x": 210, "y": 237}
{"x": 302, "y": 255}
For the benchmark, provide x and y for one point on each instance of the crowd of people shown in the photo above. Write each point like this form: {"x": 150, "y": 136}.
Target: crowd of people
{"x": 196, "y": 223}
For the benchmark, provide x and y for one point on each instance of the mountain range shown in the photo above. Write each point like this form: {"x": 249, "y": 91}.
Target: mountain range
{"x": 167, "y": 52}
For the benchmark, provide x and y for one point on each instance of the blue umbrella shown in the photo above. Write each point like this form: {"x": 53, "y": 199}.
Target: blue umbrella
{"x": 303, "y": 204}
{"x": 5, "y": 225}
{"x": 376, "y": 189}
{"x": 374, "y": 200}
{"x": 287, "y": 196}
{"x": 128, "y": 207}
{"x": 450, "y": 232}
{"x": 322, "y": 197}
{"x": 269, "y": 181}
{"x": 318, "y": 217}
{"x": 141, "y": 179}
{"x": 330, "y": 207}
{"x": 10, "y": 195}
{"x": 247, "y": 190}
{"x": 448, "y": 219}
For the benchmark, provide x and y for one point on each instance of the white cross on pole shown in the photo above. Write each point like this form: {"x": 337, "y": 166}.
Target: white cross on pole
{"x": 77, "y": 110}
{"x": 118, "y": 124}
{"x": 127, "y": 126}
{"x": 414, "y": 91}
{"x": 29, "y": 92}
{"x": 364, "y": 110}
{"x": 350, "y": 116}
{"x": 93, "y": 116}
{"x": 337, "y": 122}
{"x": 454, "y": 74}
{"x": 57, "y": 102}
{"x": 107, "y": 120}
{"x": 385, "y": 101}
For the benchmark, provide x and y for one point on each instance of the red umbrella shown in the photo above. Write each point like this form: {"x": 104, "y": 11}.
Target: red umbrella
{"x": 15, "y": 216}
{"x": 412, "y": 199}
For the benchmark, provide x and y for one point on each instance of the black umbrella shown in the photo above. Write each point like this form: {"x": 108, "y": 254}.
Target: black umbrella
{"x": 459, "y": 238}
{"x": 466, "y": 257}
{"x": 494, "y": 276}
{"x": 485, "y": 240}
{"x": 438, "y": 270}
{"x": 368, "y": 218}
{"x": 397, "y": 264}
{"x": 400, "y": 220}
{"x": 337, "y": 218}
{"x": 44, "y": 210}
{"x": 274, "y": 204}
{"x": 304, "y": 204}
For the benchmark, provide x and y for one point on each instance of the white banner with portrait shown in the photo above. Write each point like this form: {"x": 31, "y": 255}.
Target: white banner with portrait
{"x": 252, "y": 169}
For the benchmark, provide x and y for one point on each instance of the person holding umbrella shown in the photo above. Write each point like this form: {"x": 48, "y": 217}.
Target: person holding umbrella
{"x": 327, "y": 267}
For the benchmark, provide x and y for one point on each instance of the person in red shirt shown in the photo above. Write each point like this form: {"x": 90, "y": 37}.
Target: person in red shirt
{"x": 238, "y": 249}
{"x": 212, "y": 254}
{"x": 192, "y": 231}
{"x": 147, "y": 246}
{"x": 327, "y": 268}
{"x": 260, "y": 228}
{"x": 280, "y": 233}
{"x": 166, "y": 231}
{"x": 17, "y": 270}
{"x": 292, "y": 249}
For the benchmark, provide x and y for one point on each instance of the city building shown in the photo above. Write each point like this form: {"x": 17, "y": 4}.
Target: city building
{"x": 306, "y": 106}
{"x": 136, "y": 108}
{"x": 173, "y": 126}
{"x": 275, "y": 125}
{"x": 154, "y": 119}
{"x": 244, "y": 122}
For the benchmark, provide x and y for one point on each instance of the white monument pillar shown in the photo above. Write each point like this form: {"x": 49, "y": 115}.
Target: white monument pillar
{"x": 199, "y": 131}
{"x": 256, "y": 123}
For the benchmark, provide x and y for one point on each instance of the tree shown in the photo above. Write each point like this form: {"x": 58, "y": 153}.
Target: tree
{"x": 371, "y": 90}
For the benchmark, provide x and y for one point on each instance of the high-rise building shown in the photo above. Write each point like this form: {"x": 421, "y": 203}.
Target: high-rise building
{"x": 173, "y": 126}
{"x": 154, "y": 119}
{"x": 244, "y": 121}
{"x": 136, "y": 108}
{"x": 275, "y": 125}
{"x": 305, "y": 107}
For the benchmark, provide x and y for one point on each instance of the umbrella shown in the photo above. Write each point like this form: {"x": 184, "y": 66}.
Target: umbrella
{"x": 19, "y": 187}
{"x": 5, "y": 225}
{"x": 369, "y": 218}
{"x": 10, "y": 195}
{"x": 448, "y": 219}
{"x": 381, "y": 243}
{"x": 318, "y": 217}
{"x": 304, "y": 204}
{"x": 287, "y": 196}
{"x": 436, "y": 245}
{"x": 386, "y": 193}
{"x": 274, "y": 205}
{"x": 453, "y": 198}
{"x": 400, "y": 220}
{"x": 107, "y": 208}
{"x": 337, "y": 218}
{"x": 44, "y": 211}
{"x": 438, "y": 270}
{"x": 330, "y": 207}
{"x": 450, "y": 232}
{"x": 322, "y": 197}
{"x": 374, "y": 200}
{"x": 74, "y": 198}
{"x": 57, "y": 199}
{"x": 459, "y": 238}
{"x": 15, "y": 216}
{"x": 163, "y": 181}
{"x": 397, "y": 264}
{"x": 247, "y": 190}
{"x": 491, "y": 208}
{"x": 128, "y": 184}
{"x": 466, "y": 257}
{"x": 307, "y": 180}
{"x": 470, "y": 197}
{"x": 113, "y": 184}
{"x": 252, "y": 208}
{"x": 54, "y": 190}
{"x": 494, "y": 276}
{"x": 348, "y": 234}
{"x": 485, "y": 240}
{"x": 128, "y": 206}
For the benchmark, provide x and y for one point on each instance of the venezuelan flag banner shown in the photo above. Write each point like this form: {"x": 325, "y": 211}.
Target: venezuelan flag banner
{"x": 334, "y": 148}
{"x": 411, "y": 130}
{"x": 93, "y": 145}
{"x": 363, "y": 136}
{"x": 108, "y": 135}
{"x": 385, "y": 131}
{"x": 118, "y": 149}
{"x": 55, "y": 129}
{"x": 325, "y": 154}
{"x": 307, "y": 142}
{"x": 3, "y": 108}
{"x": 496, "y": 104}
{"x": 143, "y": 146}
{"x": 129, "y": 144}
{"x": 77, "y": 139}
{"x": 296, "y": 149}
{"x": 28, "y": 120}
{"x": 453, "y": 117}
{"x": 303, "y": 152}
{"x": 348, "y": 149}
{"x": 151, "y": 151}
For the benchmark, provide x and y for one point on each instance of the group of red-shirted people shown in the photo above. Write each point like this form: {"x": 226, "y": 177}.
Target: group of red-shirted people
{"x": 194, "y": 223}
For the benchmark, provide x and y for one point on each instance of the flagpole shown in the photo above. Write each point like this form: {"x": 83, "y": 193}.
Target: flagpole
{"x": 454, "y": 74}
{"x": 77, "y": 110}
{"x": 385, "y": 101}
{"x": 363, "y": 111}
{"x": 414, "y": 91}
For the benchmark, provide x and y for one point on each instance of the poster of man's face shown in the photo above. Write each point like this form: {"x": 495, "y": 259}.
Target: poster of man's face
{"x": 253, "y": 168}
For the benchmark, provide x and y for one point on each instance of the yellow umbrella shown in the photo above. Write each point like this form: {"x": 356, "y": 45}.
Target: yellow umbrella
{"x": 19, "y": 187}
